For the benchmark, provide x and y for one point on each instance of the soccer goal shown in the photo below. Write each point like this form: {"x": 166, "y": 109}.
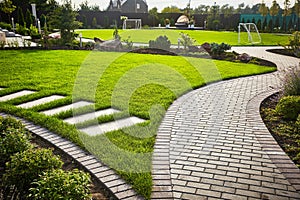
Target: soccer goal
{"x": 132, "y": 24}
{"x": 252, "y": 33}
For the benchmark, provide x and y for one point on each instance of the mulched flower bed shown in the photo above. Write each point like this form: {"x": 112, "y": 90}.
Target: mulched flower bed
{"x": 98, "y": 192}
{"x": 282, "y": 52}
{"x": 283, "y": 131}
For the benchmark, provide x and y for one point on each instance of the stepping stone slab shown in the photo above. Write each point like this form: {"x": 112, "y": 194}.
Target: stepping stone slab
{"x": 40, "y": 101}
{"x": 111, "y": 126}
{"x": 90, "y": 116}
{"x": 15, "y": 95}
{"x": 67, "y": 107}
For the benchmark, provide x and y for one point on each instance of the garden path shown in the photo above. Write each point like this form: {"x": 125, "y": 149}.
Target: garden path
{"x": 212, "y": 143}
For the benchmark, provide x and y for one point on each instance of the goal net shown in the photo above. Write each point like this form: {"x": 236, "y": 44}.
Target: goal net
{"x": 248, "y": 33}
{"x": 132, "y": 24}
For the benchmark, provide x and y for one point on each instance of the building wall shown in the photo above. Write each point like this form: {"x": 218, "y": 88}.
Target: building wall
{"x": 134, "y": 6}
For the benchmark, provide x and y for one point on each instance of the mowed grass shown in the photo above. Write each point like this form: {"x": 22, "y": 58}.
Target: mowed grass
{"x": 144, "y": 35}
{"x": 137, "y": 84}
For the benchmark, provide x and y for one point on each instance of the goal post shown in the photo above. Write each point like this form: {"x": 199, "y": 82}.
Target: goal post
{"x": 132, "y": 23}
{"x": 249, "y": 27}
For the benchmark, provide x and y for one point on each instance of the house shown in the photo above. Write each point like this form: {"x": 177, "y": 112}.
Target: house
{"x": 128, "y": 6}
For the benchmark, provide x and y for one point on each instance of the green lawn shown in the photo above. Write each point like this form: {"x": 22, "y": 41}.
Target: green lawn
{"x": 144, "y": 35}
{"x": 137, "y": 84}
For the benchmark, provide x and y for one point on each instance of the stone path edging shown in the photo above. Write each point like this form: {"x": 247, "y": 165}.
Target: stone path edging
{"x": 269, "y": 144}
{"x": 117, "y": 187}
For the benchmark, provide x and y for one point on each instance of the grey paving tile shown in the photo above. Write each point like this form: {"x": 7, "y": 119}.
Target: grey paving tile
{"x": 111, "y": 126}
{"x": 75, "y": 105}
{"x": 89, "y": 116}
{"x": 40, "y": 101}
{"x": 16, "y": 95}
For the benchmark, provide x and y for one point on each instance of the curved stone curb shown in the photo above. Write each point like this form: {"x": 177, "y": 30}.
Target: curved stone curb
{"x": 116, "y": 186}
{"x": 269, "y": 144}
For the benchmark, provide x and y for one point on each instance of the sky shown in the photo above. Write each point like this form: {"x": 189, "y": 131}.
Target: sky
{"x": 160, "y": 4}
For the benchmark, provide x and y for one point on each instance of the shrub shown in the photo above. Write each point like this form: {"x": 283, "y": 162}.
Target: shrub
{"x": 291, "y": 82}
{"x": 219, "y": 49}
{"x": 297, "y": 124}
{"x": 26, "y": 166}
{"x": 13, "y": 141}
{"x": 8, "y": 123}
{"x": 289, "y": 107}
{"x": 58, "y": 184}
{"x": 162, "y": 42}
{"x": 4, "y": 25}
{"x": 294, "y": 44}
{"x": 186, "y": 40}
{"x": 129, "y": 43}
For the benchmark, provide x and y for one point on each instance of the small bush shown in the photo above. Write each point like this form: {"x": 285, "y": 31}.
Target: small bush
{"x": 186, "y": 40}
{"x": 291, "y": 82}
{"x": 219, "y": 49}
{"x": 26, "y": 166}
{"x": 13, "y": 141}
{"x": 294, "y": 44}
{"x": 162, "y": 42}
{"x": 58, "y": 184}
{"x": 8, "y": 123}
{"x": 289, "y": 107}
{"x": 4, "y": 25}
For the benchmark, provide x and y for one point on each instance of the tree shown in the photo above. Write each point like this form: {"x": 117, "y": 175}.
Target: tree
{"x": 297, "y": 12}
{"x": 29, "y": 18}
{"x": 263, "y": 10}
{"x": 65, "y": 21}
{"x": 153, "y": 14}
{"x": 274, "y": 10}
{"x": 94, "y": 23}
{"x": 20, "y": 17}
{"x": 286, "y": 12}
{"x": 84, "y": 6}
{"x": 7, "y": 7}
{"x": 172, "y": 9}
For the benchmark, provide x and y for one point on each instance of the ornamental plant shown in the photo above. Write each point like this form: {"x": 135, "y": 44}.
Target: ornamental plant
{"x": 58, "y": 184}
{"x": 25, "y": 167}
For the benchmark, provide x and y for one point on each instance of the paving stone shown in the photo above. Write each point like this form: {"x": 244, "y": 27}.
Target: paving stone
{"x": 215, "y": 133}
{"x": 15, "y": 95}
{"x": 89, "y": 116}
{"x": 40, "y": 101}
{"x": 111, "y": 126}
{"x": 75, "y": 105}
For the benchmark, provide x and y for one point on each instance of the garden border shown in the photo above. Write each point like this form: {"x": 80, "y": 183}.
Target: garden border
{"x": 269, "y": 145}
{"x": 111, "y": 181}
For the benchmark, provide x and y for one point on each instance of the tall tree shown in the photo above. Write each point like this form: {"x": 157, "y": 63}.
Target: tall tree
{"x": 172, "y": 9}
{"x": 274, "y": 10}
{"x": 153, "y": 15}
{"x": 297, "y": 12}
{"x": 20, "y": 16}
{"x": 65, "y": 21}
{"x": 7, "y": 7}
{"x": 286, "y": 12}
{"x": 263, "y": 10}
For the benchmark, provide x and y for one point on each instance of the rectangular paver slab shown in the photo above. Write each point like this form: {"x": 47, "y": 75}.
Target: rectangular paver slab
{"x": 111, "y": 126}
{"x": 90, "y": 116}
{"x": 15, "y": 95}
{"x": 67, "y": 107}
{"x": 40, "y": 101}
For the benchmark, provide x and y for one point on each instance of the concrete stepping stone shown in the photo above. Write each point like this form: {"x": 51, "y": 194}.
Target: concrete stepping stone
{"x": 40, "y": 101}
{"x": 15, "y": 95}
{"x": 67, "y": 107}
{"x": 111, "y": 126}
{"x": 90, "y": 116}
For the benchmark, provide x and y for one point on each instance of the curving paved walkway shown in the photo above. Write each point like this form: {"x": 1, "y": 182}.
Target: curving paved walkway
{"x": 212, "y": 143}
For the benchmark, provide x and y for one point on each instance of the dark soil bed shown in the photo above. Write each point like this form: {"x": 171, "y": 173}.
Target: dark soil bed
{"x": 97, "y": 190}
{"x": 282, "y": 52}
{"x": 283, "y": 131}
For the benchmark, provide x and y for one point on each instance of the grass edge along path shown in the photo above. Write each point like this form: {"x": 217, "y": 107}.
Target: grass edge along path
{"x": 167, "y": 78}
